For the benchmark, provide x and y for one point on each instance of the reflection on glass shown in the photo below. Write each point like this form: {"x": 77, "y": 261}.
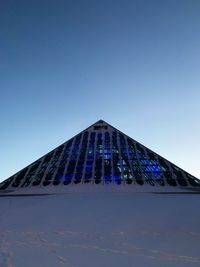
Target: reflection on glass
{"x": 102, "y": 155}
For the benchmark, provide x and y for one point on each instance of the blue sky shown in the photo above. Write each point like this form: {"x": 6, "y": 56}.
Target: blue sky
{"x": 66, "y": 64}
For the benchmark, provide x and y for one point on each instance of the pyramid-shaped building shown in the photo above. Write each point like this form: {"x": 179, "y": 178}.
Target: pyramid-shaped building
{"x": 99, "y": 155}
{"x": 100, "y": 199}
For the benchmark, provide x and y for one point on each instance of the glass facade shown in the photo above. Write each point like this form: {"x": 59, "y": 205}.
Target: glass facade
{"x": 101, "y": 155}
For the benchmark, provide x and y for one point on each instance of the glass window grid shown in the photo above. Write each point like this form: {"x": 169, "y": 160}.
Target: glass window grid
{"x": 102, "y": 155}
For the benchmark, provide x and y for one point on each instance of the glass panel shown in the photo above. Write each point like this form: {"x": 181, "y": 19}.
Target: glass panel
{"x": 90, "y": 158}
{"x": 31, "y": 173}
{"x": 192, "y": 180}
{"x": 166, "y": 171}
{"x": 135, "y": 164}
{"x": 107, "y": 159}
{"x": 39, "y": 176}
{"x": 98, "y": 159}
{"x": 179, "y": 176}
{"x": 20, "y": 177}
{"x": 53, "y": 165}
{"x": 72, "y": 162}
{"x": 126, "y": 168}
{"x": 6, "y": 183}
{"x": 117, "y": 172}
{"x": 81, "y": 160}
{"x": 61, "y": 168}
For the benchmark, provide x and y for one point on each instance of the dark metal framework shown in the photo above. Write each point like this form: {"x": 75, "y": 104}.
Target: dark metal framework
{"x": 100, "y": 154}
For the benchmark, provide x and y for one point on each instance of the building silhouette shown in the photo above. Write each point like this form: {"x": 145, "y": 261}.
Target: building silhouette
{"x": 100, "y": 155}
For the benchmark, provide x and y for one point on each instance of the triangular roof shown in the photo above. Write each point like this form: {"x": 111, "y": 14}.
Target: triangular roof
{"x": 100, "y": 154}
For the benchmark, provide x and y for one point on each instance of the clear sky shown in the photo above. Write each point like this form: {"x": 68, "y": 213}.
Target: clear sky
{"x": 65, "y": 64}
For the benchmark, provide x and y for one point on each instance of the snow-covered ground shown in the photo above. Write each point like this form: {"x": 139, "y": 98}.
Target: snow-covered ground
{"x": 100, "y": 229}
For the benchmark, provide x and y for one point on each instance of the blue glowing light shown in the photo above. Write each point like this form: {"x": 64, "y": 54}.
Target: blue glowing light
{"x": 117, "y": 179}
{"x": 107, "y": 156}
{"x": 155, "y": 168}
{"x": 59, "y": 178}
{"x": 68, "y": 177}
{"x": 107, "y": 179}
{"x": 157, "y": 175}
{"x": 89, "y": 166}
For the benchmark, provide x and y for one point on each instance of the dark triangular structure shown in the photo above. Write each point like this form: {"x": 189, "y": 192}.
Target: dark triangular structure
{"x": 100, "y": 154}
